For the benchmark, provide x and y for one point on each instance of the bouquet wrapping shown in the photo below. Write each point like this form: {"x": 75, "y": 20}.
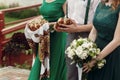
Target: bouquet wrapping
{"x": 37, "y": 31}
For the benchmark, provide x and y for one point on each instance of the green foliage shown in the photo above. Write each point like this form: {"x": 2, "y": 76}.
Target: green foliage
{"x": 28, "y": 13}
{"x": 10, "y": 19}
{"x": 3, "y": 6}
{"x": 25, "y": 65}
{"x": 17, "y": 44}
{"x": 23, "y": 14}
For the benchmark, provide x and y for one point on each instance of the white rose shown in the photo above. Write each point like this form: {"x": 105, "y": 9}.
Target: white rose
{"x": 100, "y": 65}
{"x": 79, "y": 51}
{"x": 67, "y": 50}
{"x": 80, "y": 39}
{"x": 94, "y": 56}
{"x": 85, "y": 39}
{"x": 74, "y": 43}
{"x": 84, "y": 55}
{"x": 71, "y": 53}
{"x": 98, "y": 51}
{"x": 85, "y": 45}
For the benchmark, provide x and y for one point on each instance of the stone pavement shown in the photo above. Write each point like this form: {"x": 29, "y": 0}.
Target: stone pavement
{"x": 11, "y": 73}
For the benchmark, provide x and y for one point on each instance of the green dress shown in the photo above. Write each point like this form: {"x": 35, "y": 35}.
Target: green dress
{"x": 105, "y": 21}
{"x": 52, "y": 12}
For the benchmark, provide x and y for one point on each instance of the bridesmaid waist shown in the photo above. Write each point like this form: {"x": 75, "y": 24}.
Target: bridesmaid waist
{"x": 101, "y": 42}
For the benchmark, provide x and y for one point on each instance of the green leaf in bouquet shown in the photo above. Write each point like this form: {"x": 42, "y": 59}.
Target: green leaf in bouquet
{"x": 80, "y": 65}
{"x": 79, "y": 43}
{"x": 77, "y": 59}
{"x": 94, "y": 46}
{"x": 92, "y": 54}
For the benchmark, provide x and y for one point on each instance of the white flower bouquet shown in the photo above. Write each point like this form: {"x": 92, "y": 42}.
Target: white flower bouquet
{"x": 82, "y": 51}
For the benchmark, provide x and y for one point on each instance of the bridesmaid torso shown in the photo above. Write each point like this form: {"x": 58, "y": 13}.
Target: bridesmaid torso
{"x": 53, "y": 10}
{"x": 105, "y": 21}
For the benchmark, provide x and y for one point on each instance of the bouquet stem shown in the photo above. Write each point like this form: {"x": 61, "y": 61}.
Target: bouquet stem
{"x": 84, "y": 76}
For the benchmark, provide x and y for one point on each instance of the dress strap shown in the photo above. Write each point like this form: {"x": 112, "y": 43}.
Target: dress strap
{"x": 87, "y": 11}
{"x": 67, "y": 9}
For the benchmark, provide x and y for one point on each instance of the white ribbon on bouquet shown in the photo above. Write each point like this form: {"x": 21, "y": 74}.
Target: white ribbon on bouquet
{"x": 79, "y": 72}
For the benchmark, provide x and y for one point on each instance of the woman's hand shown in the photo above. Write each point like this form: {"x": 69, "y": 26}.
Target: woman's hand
{"x": 88, "y": 66}
{"x": 67, "y": 28}
{"x": 56, "y": 27}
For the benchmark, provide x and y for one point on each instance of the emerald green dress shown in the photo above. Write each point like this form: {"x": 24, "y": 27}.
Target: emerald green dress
{"x": 52, "y": 12}
{"x": 105, "y": 21}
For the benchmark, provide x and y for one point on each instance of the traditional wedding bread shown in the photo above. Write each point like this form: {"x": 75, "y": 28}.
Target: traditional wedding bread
{"x": 65, "y": 21}
{"x": 36, "y": 23}
{"x": 60, "y": 21}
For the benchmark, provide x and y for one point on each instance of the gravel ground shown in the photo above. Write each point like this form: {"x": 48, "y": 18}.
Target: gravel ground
{"x": 12, "y": 73}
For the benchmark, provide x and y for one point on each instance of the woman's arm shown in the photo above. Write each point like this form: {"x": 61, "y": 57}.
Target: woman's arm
{"x": 84, "y": 28}
{"x": 93, "y": 34}
{"x": 51, "y": 23}
{"x": 64, "y": 8}
{"x": 75, "y": 28}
